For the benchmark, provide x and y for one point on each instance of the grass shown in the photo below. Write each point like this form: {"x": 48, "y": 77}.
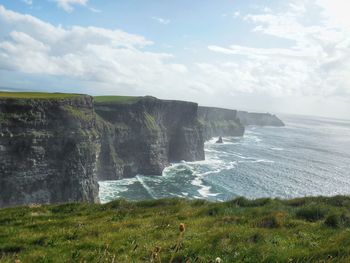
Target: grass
{"x": 78, "y": 113}
{"x": 150, "y": 122}
{"x": 116, "y": 99}
{"x": 36, "y": 95}
{"x": 47, "y": 95}
{"x": 314, "y": 229}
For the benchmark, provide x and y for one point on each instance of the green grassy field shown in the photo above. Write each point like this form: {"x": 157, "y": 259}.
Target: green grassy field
{"x": 116, "y": 99}
{"x": 264, "y": 230}
{"x": 36, "y": 95}
{"x": 47, "y": 95}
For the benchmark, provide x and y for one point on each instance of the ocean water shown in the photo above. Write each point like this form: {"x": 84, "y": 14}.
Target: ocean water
{"x": 308, "y": 157}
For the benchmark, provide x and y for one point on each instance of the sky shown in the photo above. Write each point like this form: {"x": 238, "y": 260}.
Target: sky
{"x": 268, "y": 56}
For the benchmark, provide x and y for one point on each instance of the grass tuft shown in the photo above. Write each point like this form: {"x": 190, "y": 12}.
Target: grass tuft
{"x": 312, "y": 213}
{"x": 116, "y": 99}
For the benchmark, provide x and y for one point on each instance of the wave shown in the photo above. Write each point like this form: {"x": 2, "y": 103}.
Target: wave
{"x": 109, "y": 190}
{"x": 277, "y": 149}
{"x": 288, "y": 162}
{"x": 203, "y": 190}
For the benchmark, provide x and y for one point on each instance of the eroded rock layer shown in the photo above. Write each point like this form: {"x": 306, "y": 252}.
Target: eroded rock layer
{"x": 48, "y": 150}
{"x": 219, "y": 122}
{"x": 259, "y": 119}
{"x": 145, "y": 135}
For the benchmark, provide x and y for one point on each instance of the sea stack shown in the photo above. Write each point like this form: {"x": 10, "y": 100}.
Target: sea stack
{"x": 219, "y": 122}
{"x": 219, "y": 140}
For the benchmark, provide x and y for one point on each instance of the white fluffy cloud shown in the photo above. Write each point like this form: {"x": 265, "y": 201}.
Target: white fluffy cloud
{"x": 160, "y": 20}
{"x": 336, "y": 12}
{"x": 315, "y": 63}
{"x": 112, "y": 57}
{"x": 28, "y": 2}
{"x": 309, "y": 61}
{"x": 67, "y": 5}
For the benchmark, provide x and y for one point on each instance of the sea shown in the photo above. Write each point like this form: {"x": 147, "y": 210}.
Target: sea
{"x": 310, "y": 156}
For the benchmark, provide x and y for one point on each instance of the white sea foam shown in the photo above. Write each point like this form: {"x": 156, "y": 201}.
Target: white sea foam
{"x": 277, "y": 149}
{"x": 110, "y": 190}
{"x": 203, "y": 190}
{"x": 262, "y": 161}
{"x": 252, "y": 137}
{"x": 212, "y": 141}
{"x": 232, "y": 168}
{"x": 216, "y": 168}
{"x": 146, "y": 187}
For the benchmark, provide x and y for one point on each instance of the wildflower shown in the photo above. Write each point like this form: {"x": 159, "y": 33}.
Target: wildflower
{"x": 155, "y": 257}
{"x": 218, "y": 260}
{"x": 182, "y": 227}
{"x": 179, "y": 239}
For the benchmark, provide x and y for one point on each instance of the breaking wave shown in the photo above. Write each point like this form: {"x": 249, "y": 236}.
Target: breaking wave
{"x": 297, "y": 160}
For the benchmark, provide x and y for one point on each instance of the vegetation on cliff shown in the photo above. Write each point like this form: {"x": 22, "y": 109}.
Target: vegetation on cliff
{"x": 79, "y": 114}
{"x": 116, "y": 99}
{"x": 314, "y": 229}
{"x": 36, "y": 95}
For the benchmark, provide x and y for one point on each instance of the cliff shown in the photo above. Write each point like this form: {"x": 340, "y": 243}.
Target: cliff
{"x": 54, "y": 146}
{"x": 259, "y": 119}
{"x": 219, "y": 122}
{"x": 142, "y": 135}
{"x": 48, "y": 148}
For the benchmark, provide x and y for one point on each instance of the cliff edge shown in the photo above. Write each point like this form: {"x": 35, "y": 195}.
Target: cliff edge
{"x": 259, "y": 119}
{"x": 48, "y": 148}
{"x": 219, "y": 122}
{"x": 142, "y": 135}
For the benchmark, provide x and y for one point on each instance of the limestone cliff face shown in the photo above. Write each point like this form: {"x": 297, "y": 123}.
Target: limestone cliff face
{"x": 48, "y": 151}
{"x": 219, "y": 122}
{"x": 259, "y": 119}
{"x": 142, "y": 137}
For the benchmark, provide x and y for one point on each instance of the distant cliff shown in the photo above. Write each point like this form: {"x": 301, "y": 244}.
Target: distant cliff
{"x": 48, "y": 149}
{"x": 259, "y": 119}
{"x": 143, "y": 135}
{"x": 219, "y": 122}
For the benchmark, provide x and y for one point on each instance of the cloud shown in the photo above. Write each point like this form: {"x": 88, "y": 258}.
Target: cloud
{"x": 28, "y": 2}
{"x": 316, "y": 61}
{"x": 235, "y": 14}
{"x": 307, "y": 59}
{"x": 95, "y": 10}
{"x": 93, "y": 54}
{"x": 336, "y": 12}
{"x": 161, "y": 20}
{"x": 67, "y": 5}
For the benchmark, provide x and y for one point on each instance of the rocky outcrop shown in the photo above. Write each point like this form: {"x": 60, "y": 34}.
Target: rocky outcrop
{"x": 48, "y": 150}
{"x": 219, "y": 140}
{"x": 259, "y": 119}
{"x": 143, "y": 136}
{"x": 219, "y": 122}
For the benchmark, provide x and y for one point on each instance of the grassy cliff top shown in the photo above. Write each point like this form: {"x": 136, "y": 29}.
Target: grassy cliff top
{"x": 264, "y": 230}
{"x": 36, "y": 95}
{"x": 116, "y": 99}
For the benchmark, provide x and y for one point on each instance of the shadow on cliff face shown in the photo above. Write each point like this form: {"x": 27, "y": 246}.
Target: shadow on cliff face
{"x": 144, "y": 136}
{"x": 48, "y": 150}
